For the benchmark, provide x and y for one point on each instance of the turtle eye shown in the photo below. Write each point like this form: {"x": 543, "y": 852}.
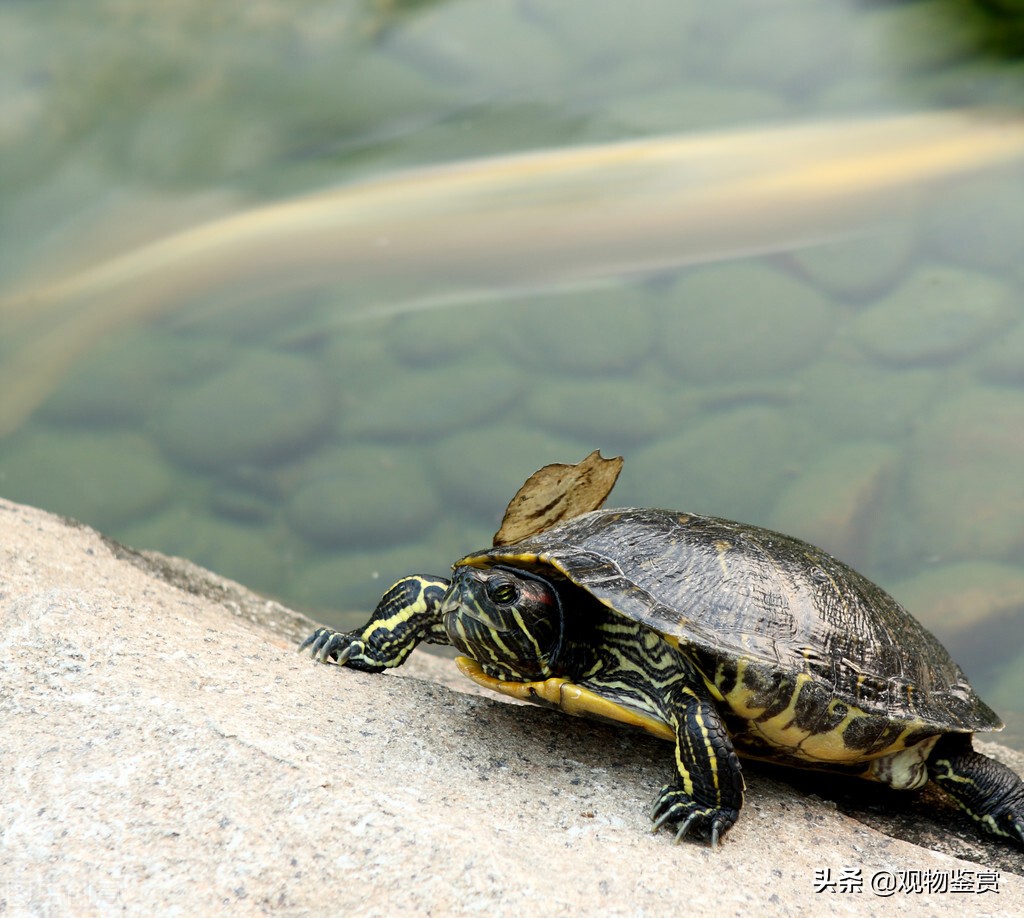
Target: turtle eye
{"x": 501, "y": 591}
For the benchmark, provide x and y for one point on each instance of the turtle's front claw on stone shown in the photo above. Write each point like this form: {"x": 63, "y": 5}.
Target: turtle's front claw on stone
{"x": 708, "y": 822}
{"x": 326, "y": 644}
{"x": 345, "y": 648}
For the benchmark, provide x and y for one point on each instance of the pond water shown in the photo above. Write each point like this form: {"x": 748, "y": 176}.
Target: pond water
{"x": 866, "y": 394}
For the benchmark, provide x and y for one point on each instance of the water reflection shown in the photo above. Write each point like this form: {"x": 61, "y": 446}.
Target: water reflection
{"x": 476, "y": 229}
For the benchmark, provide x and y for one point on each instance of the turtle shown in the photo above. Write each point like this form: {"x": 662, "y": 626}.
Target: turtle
{"x": 724, "y": 638}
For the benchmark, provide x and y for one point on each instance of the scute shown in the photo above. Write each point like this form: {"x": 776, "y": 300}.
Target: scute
{"x": 730, "y": 592}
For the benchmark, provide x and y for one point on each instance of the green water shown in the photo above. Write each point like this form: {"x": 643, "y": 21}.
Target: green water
{"x": 866, "y": 395}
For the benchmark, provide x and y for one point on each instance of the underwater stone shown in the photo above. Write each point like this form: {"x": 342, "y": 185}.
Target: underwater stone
{"x": 260, "y": 410}
{"x": 937, "y": 315}
{"x": 858, "y": 400}
{"x": 257, "y": 555}
{"x": 478, "y": 471}
{"x": 105, "y": 480}
{"x": 963, "y": 479}
{"x": 133, "y": 382}
{"x": 860, "y": 267}
{"x": 362, "y": 496}
{"x": 834, "y": 501}
{"x": 596, "y": 332}
{"x": 954, "y": 598}
{"x": 742, "y": 321}
{"x": 418, "y": 404}
{"x": 730, "y": 464}
{"x": 696, "y": 108}
{"x": 979, "y": 224}
{"x": 616, "y": 413}
{"x": 976, "y": 608}
{"x": 455, "y": 44}
{"x": 342, "y": 587}
{"x": 1003, "y": 360}
{"x": 434, "y": 337}
{"x": 770, "y": 47}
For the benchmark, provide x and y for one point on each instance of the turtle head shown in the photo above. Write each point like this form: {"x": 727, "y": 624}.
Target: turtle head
{"x": 509, "y": 620}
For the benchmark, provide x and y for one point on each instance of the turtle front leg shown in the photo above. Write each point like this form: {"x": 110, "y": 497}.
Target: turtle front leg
{"x": 406, "y": 615}
{"x": 707, "y": 796}
{"x": 990, "y": 793}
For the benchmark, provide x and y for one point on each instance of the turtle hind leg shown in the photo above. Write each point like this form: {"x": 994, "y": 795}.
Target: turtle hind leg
{"x": 407, "y": 614}
{"x": 991, "y": 793}
{"x": 706, "y": 798}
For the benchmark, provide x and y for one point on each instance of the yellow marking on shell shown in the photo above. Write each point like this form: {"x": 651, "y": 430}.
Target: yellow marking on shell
{"x": 483, "y": 559}
{"x": 859, "y": 686}
{"x": 569, "y": 697}
{"x": 723, "y": 547}
{"x": 815, "y": 564}
{"x": 782, "y": 732}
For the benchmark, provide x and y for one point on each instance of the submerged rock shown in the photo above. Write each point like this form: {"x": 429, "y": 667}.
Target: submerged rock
{"x": 742, "y": 321}
{"x": 338, "y": 498}
{"x": 964, "y": 487}
{"x": 108, "y": 479}
{"x": 262, "y": 409}
{"x": 977, "y": 610}
{"x": 729, "y": 463}
{"x": 936, "y": 316}
{"x": 833, "y": 503}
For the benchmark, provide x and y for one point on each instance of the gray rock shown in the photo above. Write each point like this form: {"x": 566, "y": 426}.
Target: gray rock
{"x": 728, "y": 463}
{"x": 340, "y": 494}
{"x": 167, "y": 751}
{"x": 109, "y": 480}
{"x": 597, "y": 332}
{"x": 415, "y": 405}
{"x": 833, "y": 503}
{"x": 742, "y": 321}
{"x": 1002, "y": 362}
{"x": 964, "y": 466}
{"x": 855, "y": 400}
{"x": 260, "y": 410}
{"x": 936, "y": 316}
{"x": 858, "y": 268}
{"x": 980, "y": 223}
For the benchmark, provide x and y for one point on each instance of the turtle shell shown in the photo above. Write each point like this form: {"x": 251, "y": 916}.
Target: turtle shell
{"x": 728, "y": 592}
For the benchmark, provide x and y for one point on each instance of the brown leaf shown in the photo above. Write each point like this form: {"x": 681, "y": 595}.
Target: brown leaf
{"x": 556, "y": 493}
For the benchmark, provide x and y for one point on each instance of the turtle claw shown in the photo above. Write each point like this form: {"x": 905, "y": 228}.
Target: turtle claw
{"x": 710, "y": 822}
{"x": 326, "y": 644}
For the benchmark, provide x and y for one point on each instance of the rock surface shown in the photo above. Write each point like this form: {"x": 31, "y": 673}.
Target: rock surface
{"x": 165, "y": 751}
